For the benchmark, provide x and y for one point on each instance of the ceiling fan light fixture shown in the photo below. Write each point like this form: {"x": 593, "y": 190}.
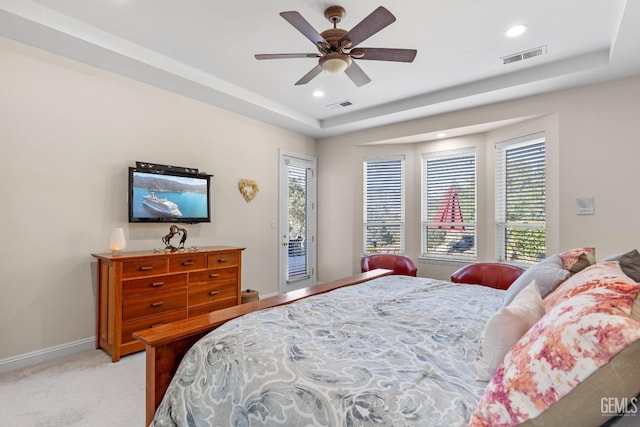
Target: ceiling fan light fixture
{"x": 335, "y": 62}
{"x": 338, "y": 48}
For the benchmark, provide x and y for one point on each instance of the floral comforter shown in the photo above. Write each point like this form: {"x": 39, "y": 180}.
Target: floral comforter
{"x": 395, "y": 351}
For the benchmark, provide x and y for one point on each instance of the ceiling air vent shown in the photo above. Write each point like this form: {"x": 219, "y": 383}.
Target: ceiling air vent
{"x": 524, "y": 55}
{"x": 339, "y": 105}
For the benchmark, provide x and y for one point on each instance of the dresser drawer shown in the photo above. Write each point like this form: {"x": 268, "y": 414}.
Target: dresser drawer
{"x": 128, "y": 328}
{"x": 144, "y": 267}
{"x": 148, "y": 285}
{"x": 156, "y": 303}
{"x": 214, "y": 275}
{"x": 222, "y": 259}
{"x": 210, "y": 292}
{"x": 141, "y": 289}
{"x": 208, "y": 308}
{"x": 187, "y": 262}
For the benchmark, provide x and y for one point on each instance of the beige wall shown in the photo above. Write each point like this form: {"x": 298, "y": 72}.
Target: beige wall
{"x": 68, "y": 133}
{"x": 592, "y": 150}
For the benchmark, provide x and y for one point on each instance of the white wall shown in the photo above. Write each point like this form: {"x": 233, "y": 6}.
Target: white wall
{"x": 68, "y": 133}
{"x": 592, "y": 150}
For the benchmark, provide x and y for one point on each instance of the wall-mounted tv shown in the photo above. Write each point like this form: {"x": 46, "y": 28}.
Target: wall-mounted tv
{"x": 162, "y": 195}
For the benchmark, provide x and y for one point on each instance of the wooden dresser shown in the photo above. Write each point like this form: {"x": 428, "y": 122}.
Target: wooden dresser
{"x": 140, "y": 290}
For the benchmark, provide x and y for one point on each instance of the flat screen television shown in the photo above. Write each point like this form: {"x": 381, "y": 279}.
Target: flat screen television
{"x": 159, "y": 195}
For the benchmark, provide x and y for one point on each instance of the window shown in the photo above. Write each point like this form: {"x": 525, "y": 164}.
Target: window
{"x": 384, "y": 205}
{"x": 449, "y": 204}
{"x": 520, "y": 199}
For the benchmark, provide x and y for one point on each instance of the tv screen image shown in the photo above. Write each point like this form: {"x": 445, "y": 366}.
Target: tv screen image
{"x": 163, "y": 196}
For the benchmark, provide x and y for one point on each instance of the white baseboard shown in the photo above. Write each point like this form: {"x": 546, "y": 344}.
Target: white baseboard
{"x": 46, "y": 354}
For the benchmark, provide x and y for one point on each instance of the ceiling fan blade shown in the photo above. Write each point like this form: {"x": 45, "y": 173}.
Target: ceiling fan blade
{"x": 377, "y": 20}
{"x": 356, "y": 74}
{"x": 384, "y": 54}
{"x": 301, "y": 24}
{"x": 285, "y": 55}
{"x": 310, "y": 75}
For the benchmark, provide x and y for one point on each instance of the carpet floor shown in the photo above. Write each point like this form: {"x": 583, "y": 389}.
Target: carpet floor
{"x": 81, "y": 390}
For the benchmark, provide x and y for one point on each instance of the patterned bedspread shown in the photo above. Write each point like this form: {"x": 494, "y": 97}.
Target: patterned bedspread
{"x": 396, "y": 351}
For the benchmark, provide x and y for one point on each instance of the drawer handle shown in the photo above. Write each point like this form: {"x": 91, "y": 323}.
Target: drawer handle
{"x": 146, "y": 268}
{"x": 221, "y": 260}
{"x": 212, "y": 293}
{"x": 157, "y": 304}
{"x": 156, "y": 284}
{"x": 214, "y": 275}
{"x": 187, "y": 263}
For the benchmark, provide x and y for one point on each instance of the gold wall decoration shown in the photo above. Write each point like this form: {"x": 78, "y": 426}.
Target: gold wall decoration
{"x": 248, "y": 188}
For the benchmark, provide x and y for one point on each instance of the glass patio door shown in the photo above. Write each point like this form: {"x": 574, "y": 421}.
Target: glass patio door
{"x": 297, "y": 230}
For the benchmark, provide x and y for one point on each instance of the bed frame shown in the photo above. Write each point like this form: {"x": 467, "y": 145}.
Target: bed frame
{"x": 166, "y": 344}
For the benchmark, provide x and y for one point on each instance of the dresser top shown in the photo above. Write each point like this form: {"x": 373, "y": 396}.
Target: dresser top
{"x": 161, "y": 253}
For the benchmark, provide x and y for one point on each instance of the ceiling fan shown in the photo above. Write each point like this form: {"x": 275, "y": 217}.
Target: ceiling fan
{"x": 338, "y": 48}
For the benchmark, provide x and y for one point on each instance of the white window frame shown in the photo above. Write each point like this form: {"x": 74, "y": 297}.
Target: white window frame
{"x": 365, "y": 202}
{"x": 426, "y": 222}
{"x": 501, "y": 224}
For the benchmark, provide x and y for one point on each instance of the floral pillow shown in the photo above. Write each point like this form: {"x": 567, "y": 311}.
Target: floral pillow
{"x": 607, "y": 274}
{"x": 571, "y": 342}
{"x": 578, "y": 259}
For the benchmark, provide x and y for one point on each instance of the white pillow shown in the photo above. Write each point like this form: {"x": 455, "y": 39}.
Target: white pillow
{"x": 505, "y": 328}
{"x": 549, "y": 273}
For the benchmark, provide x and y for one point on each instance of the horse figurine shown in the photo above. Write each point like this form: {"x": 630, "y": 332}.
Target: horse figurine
{"x": 182, "y": 239}
{"x": 173, "y": 230}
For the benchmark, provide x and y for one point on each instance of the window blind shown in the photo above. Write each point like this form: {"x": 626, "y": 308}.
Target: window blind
{"x": 521, "y": 199}
{"x": 384, "y": 205}
{"x": 298, "y": 259}
{"x": 449, "y": 204}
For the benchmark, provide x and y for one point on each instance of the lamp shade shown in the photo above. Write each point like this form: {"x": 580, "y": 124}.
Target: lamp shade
{"x": 117, "y": 241}
{"x": 335, "y": 62}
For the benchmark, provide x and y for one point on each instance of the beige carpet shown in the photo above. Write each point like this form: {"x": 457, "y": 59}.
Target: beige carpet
{"x": 83, "y": 390}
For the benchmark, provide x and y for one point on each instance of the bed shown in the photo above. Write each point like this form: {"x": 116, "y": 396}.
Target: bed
{"x": 375, "y": 349}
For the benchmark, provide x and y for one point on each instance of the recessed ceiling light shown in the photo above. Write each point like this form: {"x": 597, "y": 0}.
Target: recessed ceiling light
{"x": 516, "y": 30}
{"x": 441, "y": 135}
{"x": 318, "y": 93}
